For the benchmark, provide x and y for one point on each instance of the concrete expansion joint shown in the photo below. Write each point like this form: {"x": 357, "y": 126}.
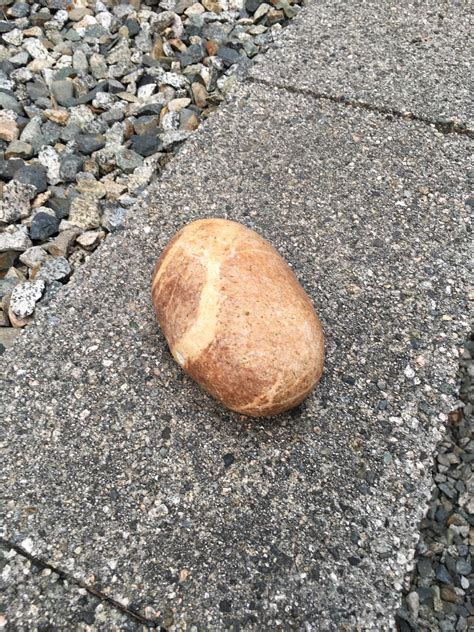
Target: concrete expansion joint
{"x": 92, "y": 591}
{"x": 443, "y": 126}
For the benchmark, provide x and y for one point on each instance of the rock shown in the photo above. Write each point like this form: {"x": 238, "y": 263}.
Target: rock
{"x": 7, "y": 285}
{"x": 9, "y": 167}
{"x": 59, "y": 205}
{"x": 33, "y": 256}
{"x": 79, "y": 61}
{"x": 173, "y": 137}
{"x": 128, "y": 160}
{"x": 176, "y": 105}
{"x": 25, "y": 296}
{"x": 19, "y": 149}
{"x": 167, "y": 19}
{"x": 98, "y": 66}
{"x": 50, "y": 159}
{"x": 4, "y": 322}
{"x": 61, "y": 117}
{"x": 62, "y": 91}
{"x": 90, "y": 239}
{"x": 146, "y": 145}
{"x": 61, "y": 245}
{"x": 16, "y": 201}
{"x": 55, "y": 269}
{"x": 7, "y": 259}
{"x": 113, "y": 218}
{"x": 113, "y": 190}
{"x": 70, "y": 166}
{"x": 192, "y": 55}
{"x": 8, "y": 130}
{"x": 255, "y": 372}
{"x": 413, "y": 602}
{"x": 85, "y": 212}
{"x": 90, "y": 186}
{"x": 32, "y": 134}
{"x": 188, "y": 120}
{"x": 9, "y": 102}
{"x": 229, "y": 55}
{"x": 88, "y": 143}
{"x": 199, "y": 94}
{"x": 146, "y": 124}
{"x": 43, "y": 225}
{"x": 15, "y": 238}
{"x": 36, "y": 49}
{"x": 33, "y": 175}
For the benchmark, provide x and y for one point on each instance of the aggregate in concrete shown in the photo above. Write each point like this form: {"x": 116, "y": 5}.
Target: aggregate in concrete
{"x": 410, "y": 56}
{"x": 35, "y": 599}
{"x": 120, "y": 471}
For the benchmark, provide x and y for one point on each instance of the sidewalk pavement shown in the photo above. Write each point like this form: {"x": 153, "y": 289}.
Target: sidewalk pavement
{"x": 120, "y": 472}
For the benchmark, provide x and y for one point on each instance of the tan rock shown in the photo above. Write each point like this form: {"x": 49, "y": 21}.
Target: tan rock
{"x": 199, "y": 94}
{"x": 236, "y": 319}
{"x": 8, "y": 130}
{"x": 61, "y": 117}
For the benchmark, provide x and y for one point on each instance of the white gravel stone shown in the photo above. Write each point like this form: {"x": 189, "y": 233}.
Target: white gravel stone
{"x": 25, "y": 296}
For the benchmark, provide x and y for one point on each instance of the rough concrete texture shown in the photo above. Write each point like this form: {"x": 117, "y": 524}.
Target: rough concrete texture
{"x": 410, "y": 56}
{"x": 35, "y": 599}
{"x": 120, "y": 471}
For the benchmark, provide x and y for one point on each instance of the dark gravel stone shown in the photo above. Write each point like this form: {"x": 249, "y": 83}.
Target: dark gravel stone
{"x": 146, "y": 145}
{"x": 229, "y": 55}
{"x": 442, "y": 575}
{"x": 70, "y": 166}
{"x": 37, "y": 90}
{"x": 229, "y": 458}
{"x": 88, "y": 143}
{"x": 19, "y": 10}
{"x": 8, "y": 168}
{"x": 62, "y": 91}
{"x": 35, "y": 175}
{"x": 133, "y": 27}
{"x": 60, "y": 206}
{"x": 192, "y": 55}
{"x": 252, "y": 5}
{"x": 150, "y": 109}
{"x": 146, "y": 124}
{"x": 43, "y": 226}
{"x": 6, "y": 27}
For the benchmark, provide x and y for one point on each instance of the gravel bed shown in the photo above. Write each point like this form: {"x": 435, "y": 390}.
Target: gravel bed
{"x": 95, "y": 96}
{"x": 441, "y": 588}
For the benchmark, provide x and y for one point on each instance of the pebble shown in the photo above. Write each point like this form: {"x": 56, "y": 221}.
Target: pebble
{"x": 43, "y": 225}
{"x": 15, "y": 238}
{"x": 33, "y": 256}
{"x": 85, "y": 212}
{"x": 34, "y": 175}
{"x": 15, "y": 202}
{"x": 25, "y": 296}
{"x": 55, "y": 269}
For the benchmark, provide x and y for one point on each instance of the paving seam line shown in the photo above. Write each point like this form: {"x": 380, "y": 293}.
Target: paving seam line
{"x": 445, "y": 127}
{"x": 66, "y": 576}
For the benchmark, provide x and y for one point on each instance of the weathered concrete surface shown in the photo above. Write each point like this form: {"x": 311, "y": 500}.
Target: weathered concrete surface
{"x": 122, "y": 472}
{"x": 411, "y": 56}
{"x": 36, "y": 598}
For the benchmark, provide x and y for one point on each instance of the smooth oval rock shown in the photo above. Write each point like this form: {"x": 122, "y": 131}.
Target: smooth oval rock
{"x": 236, "y": 318}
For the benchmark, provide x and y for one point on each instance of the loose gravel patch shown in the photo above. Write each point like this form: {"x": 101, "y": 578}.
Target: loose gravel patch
{"x": 95, "y": 97}
{"x": 440, "y": 593}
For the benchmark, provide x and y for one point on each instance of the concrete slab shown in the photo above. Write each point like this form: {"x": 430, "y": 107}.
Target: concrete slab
{"x": 36, "y": 598}
{"x": 122, "y": 472}
{"x": 412, "y": 57}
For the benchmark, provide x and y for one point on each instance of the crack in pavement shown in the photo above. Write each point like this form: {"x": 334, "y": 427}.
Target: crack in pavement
{"x": 445, "y": 127}
{"x": 96, "y": 593}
